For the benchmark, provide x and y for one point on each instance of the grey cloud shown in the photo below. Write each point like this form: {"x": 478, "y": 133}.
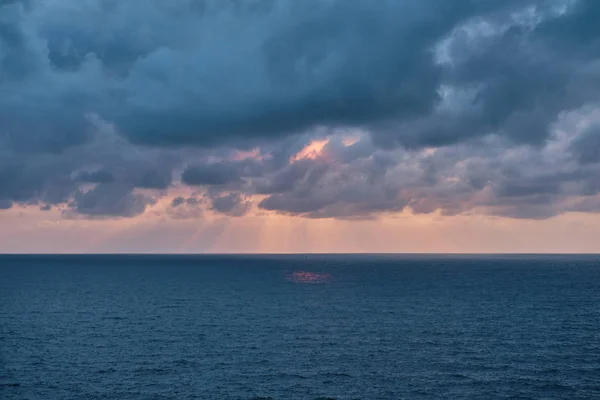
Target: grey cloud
{"x": 524, "y": 188}
{"x": 56, "y": 178}
{"x": 186, "y": 208}
{"x": 180, "y": 200}
{"x": 29, "y": 180}
{"x": 306, "y": 172}
{"x": 526, "y": 211}
{"x": 110, "y": 200}
{"x": 332, "y": 187}
{"x": 503, "y": 75}
{"x": 489, "y": 176}
{"x": 177, "y": 201}
{"x": 5, "y": 204}
{"x": 233, "y": 204}
{"x": 291, "y": 204}
{"x": 147, "y": 171}
{"x": 154, "y": 179}
{"x": 337, "y": 149}
{"x": 219, "y": 173}
{"x": 99, "y": 176}
{"x": 587, "y": 205}
{"x": 194, "y": 201}
{"x": 587, "y": 145}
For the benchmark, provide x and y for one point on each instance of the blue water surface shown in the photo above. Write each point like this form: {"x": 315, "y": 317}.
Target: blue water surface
{"x": 300, "y": 327}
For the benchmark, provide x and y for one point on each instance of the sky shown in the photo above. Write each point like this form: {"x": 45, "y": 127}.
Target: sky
{"x": 249, "y": 126}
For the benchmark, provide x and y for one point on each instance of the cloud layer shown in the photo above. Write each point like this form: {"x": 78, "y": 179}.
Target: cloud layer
{"x": 321, "y": 108}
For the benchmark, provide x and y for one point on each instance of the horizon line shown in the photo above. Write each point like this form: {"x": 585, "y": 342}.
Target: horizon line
{"x": 302, "y": 254}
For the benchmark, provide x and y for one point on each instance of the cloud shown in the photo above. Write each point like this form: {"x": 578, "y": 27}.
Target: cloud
{"x": 418, "y": 105}
{"x": 232, "y": 204}
{"x": 211, "y": 174}
{"x": 110, "y": 200}
{"x": 99, "y": 176}
{"x": 186, "y": 208}
{"x": 586, "y": 147}
{"x": 107, "y": 161}
{"x": 488, "y": 176}
{"x": 169, "y": 75}
{"x": 177, "y": 201}
{"x": 5, "y": 204}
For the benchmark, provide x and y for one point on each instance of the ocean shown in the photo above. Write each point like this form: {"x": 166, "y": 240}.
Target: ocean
{"x": 299, "y": 327}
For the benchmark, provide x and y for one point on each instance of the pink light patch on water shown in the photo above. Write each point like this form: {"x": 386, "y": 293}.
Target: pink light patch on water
{"x": 308, "y": 277}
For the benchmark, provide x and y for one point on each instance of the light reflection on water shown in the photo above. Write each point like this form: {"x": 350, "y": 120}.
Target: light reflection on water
{"x": 308, "y": 277}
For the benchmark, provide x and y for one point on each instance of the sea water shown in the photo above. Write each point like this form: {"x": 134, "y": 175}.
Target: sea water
{"x": 300, "y": 327}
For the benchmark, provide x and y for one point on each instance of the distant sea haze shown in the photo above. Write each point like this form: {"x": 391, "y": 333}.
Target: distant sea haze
{"x": 300, "y": 327}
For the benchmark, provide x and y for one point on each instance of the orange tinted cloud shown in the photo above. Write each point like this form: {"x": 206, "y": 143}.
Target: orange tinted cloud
{"x": 313, "y": 151}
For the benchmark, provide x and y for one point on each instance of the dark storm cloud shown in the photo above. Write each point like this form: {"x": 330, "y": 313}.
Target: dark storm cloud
{"x": 180, "y": 85}
{"x": 225, "y": 71}
{"x": 304, "y": 63}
